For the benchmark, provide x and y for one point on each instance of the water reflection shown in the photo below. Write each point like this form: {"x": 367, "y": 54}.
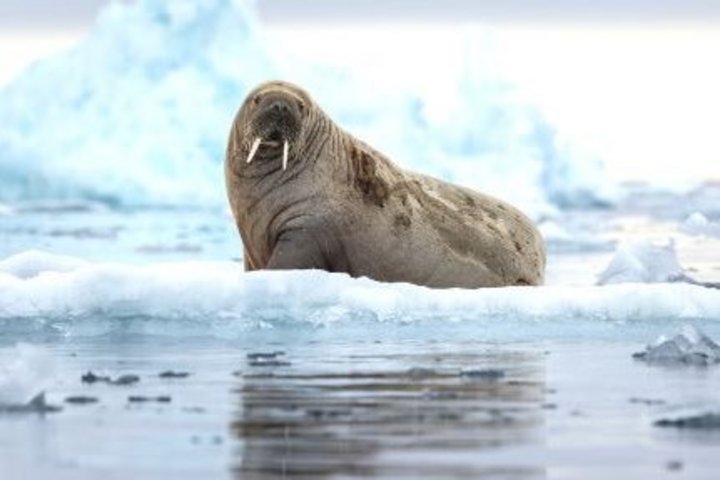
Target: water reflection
{"x": 374, "y": 415}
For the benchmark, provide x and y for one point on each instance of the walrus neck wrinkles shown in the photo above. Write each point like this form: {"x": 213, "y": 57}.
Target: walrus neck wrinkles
{"x": 269, "y": 200}
{"x": 314, "y": 139}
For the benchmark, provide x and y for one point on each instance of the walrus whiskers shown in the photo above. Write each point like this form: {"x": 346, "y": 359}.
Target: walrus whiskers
{"x": 286, "y": 147}
{"x": 253, "y": 149}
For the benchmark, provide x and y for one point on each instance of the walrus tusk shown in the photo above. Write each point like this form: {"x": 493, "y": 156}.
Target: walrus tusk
{"x": 286, "y": 146}
{"x": 253, "y": 149}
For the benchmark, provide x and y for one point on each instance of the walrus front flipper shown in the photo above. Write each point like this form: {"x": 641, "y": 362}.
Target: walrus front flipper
{"x": 297, "y": 252}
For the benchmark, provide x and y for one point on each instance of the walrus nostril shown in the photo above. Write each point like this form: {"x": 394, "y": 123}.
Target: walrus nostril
{"x": 279, "y": 107}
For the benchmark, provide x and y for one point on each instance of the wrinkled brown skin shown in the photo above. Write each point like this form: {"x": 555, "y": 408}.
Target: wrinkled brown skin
{"x": 343, "y": 207}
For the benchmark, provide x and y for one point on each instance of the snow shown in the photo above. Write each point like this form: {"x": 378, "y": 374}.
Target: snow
{"x": 218, "y": 298}
{"x": 138, "y": 113}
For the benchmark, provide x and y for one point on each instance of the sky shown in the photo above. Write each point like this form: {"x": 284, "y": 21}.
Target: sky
{"x": 634, "y": 81}
{"x": 78, "y": 13}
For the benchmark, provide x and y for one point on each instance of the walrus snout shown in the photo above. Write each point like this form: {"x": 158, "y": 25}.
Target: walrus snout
{"x": 278, "y": 117}
{"x": 279, "y": 107}
{"x": 275, "y": 120}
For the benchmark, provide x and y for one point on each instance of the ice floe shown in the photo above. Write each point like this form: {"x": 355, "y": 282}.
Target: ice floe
{"x": 219, "y": 298}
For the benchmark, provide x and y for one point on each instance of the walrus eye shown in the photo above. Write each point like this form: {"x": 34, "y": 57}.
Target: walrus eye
{"x": 256, "y": 99}
{"x": 301, "y": 106}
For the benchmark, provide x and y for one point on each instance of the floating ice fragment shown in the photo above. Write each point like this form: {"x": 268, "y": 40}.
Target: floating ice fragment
{"x": 643, "y": 262}
{"x": 24, "y": 374}
{"x": 691, "y": 347}
{"x": 698, "y": 224}
{"x": 37, "y": 404}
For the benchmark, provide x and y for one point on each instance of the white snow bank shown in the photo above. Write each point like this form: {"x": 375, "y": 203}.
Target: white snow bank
{"x": 139, "y": 112}
{"x": 24, "y": 372}
{"x": 643, "y": 262}
{"x": 216, "y": 296}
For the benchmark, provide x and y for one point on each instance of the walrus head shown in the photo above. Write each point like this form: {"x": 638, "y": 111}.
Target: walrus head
{"x": 271, "y": 120}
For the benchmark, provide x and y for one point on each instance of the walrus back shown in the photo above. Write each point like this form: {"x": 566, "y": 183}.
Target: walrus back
{"x": 433, "y": 232}
{"x": 474, "y": 225}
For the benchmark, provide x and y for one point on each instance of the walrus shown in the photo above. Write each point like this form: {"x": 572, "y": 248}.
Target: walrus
{"x": 305, "y": 194}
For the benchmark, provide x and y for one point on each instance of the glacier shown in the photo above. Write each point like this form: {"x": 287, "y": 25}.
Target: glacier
{"x": 138, "y": 113}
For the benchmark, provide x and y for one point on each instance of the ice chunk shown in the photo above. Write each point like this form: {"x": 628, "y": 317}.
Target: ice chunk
{"x": 691, "y": 347}
{"x": 698, "y": 224}
{"x": 643, "y": 262}
{"x": 24, "y": 371}
{"x": 37, "y": 404}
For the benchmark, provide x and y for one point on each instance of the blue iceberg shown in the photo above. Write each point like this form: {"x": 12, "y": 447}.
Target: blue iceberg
{"x": 138, "y": 114}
